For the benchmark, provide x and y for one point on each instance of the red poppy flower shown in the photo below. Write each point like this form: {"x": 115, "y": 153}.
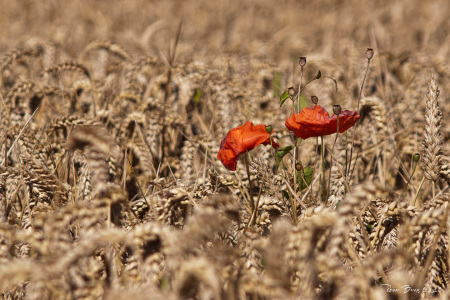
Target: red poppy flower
{"x": 316, "y": 121}
{"x": 241, "y": 139}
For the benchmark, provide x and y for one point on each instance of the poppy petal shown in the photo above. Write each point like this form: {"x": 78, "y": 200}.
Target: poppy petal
{"x": 241, "y": 139}
{"x": 316, "y": 121}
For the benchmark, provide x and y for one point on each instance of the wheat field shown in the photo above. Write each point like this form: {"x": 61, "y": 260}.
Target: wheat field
{"x": 112, "y": 114}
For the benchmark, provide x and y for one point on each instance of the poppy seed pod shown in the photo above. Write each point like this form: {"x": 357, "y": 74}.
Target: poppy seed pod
{"x": 337, "y": 109}
{"x": 369, "y": 53}
{"x": 302, "y": 61}
{"x": 242, "y": 139}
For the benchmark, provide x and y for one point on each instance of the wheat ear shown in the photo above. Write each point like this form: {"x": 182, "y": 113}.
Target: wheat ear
{"x": 432, "y": 144}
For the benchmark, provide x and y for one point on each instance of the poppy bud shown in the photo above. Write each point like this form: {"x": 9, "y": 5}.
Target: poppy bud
{"x": 314, "y": 99}
{"x": 416, "y": 157}
{"x": 302, "y": 61}
{"x": 337, "y": 109}
{"x": 269, "y": 129}
{"x": 298, "y": 166}
{"x": 369, "y": 53}
{"x": 291, "y": 92}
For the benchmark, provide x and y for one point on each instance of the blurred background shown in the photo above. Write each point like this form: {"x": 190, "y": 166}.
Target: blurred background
{"x": 212, "y": 29}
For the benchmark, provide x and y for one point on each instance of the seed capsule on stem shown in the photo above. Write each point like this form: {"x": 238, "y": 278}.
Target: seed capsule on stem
{"x": 369, "y": 53}
{"x": 302, "y": 61}
{"x": 337, "y": 109}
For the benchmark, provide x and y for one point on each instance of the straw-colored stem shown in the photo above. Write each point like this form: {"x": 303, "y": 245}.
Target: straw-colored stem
{"x": 255, "y": 211}
{"x": 299, "y": 89}
{"x": 409, "y": 180}
{"x": 294, "y": 208}
{"x": 357, "y": 109}
{"x": 418, "y": 190}
{"x": 367, "y": 238}
{"x": 294, "y": 162}
{"x": 296, "y": 150}
{"x": 332, "y": 155}
{"x": 431, "y": 256}
{"x": 324, "y": 198}
{"x": 250, "y": 183}
{"x": 433, "y": 188}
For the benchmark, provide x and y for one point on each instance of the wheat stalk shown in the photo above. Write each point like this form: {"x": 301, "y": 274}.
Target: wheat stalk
{"x": 432, "y": 144}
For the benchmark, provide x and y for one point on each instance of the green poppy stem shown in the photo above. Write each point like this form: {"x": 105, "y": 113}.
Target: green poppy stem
{"x": 293, "y": 204}
{"x": 323, "y": 170}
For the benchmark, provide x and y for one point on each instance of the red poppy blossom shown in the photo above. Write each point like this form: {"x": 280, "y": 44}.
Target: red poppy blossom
{"x": 316, "y": 121}
{"x": 241, "y": 139}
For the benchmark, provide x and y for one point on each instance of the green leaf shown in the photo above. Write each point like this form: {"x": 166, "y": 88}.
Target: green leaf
{"x": 263, "y": 263}
{"x": 319, "y": 74}
{"x": 283, "y": 98}
{"x": 164, "y": 283}
{"x": 281, "y": 153}
{"x": 307, "y": 176}
{"x": 303, "y": 102}
{"x": 197, "y": 96}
